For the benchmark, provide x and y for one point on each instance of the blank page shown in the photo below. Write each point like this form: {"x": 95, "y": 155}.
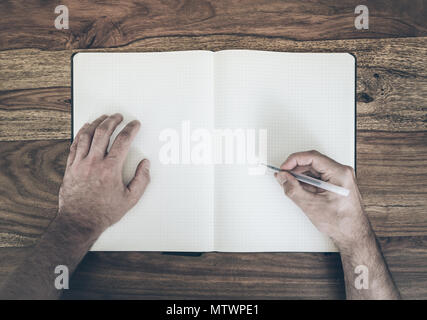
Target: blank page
{"x": 305, "y": 101}
{"x": 161, "y": 90}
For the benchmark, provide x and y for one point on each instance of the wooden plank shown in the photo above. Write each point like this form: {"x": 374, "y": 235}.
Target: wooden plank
{"x": 34, "y": 68}
{"x": 26, "y": 24}
{"x": 152, "y": 275}
{"x": 35, "y": 114}
{"x": 390, "y": 167}
{"x": 35, "y": 96}
{"x": 31, "y": 173}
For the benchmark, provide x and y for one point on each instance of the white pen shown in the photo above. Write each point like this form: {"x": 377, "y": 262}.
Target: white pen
{"x": 314, "y": 182}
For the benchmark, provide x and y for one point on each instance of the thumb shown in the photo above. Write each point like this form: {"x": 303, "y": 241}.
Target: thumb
{"x": 141, "y": 179}
{"x": 293, "y": 189}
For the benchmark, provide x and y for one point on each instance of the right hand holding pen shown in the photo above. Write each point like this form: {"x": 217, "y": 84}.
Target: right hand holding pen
{"x": 341, "y": 218}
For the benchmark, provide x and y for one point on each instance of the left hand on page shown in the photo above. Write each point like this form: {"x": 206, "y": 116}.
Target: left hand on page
{"x": 92, "y": 193}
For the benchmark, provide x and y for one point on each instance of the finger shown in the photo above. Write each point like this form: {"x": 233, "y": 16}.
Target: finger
{"x": 315, "y": 159}
{"x": 102, "y": 134}
{"x": 293, "y": 188}
{"x": 123, "y": 141}
{"x": 281, "y": 179}
{"x": 308, "y": 170}
{"x": 85, "y": 138}
{"x": 310, "y": 188}
{"x": 73, "y": 147}
{"x": 140, "y": 181}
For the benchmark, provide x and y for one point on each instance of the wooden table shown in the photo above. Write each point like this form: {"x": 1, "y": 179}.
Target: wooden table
{"x": 35, "y": 105}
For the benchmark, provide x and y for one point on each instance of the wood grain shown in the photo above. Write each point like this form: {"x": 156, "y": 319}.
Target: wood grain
{"x": 30, "y": 177}
{"x": 390, "y": 167}
{"x": 35, "y": 114}
{"x": 152, "y": 275}
{"x": 96, "y": 24}
{"x": 35, "y": 94}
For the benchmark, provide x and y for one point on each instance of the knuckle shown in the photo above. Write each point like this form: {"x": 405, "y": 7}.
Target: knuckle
{"x": 293, "y": 155}
{"x": 123, "y": 138}
{"x": 90, "y": 159}
{"x": 281, "y": 179}
{"x": 101, "y": 130}
{"x": 147, "y": 175}
{"x": 125, "y": 134}
{"x": 131, "y": 197}
{"x": 110, "y": 124}
{"x": 313, "y": 152}
{"x": 112, "y": 159}
{"x": 348, "y": 171}
{"x": 290, "y": 192}
{"x": 84, "y": 136}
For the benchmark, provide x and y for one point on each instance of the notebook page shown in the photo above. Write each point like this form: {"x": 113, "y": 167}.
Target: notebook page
{"x": 305, "y": 101}
{"x": 161, "y": 90}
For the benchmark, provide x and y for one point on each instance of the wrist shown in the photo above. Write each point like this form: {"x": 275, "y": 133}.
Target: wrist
{"x": 357, "y": 234}
{"x": 358, "y": 245}
{"x": 76, "y": 229}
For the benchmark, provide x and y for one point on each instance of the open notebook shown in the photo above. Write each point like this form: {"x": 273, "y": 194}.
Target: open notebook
{"x": 292, "y": 101}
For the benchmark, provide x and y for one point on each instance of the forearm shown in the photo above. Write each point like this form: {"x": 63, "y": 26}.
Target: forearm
{"x": 64, "y": 243}
{"x": 366, "y": 253}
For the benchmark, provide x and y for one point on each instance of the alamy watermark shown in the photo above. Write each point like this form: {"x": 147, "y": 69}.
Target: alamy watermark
{"x": 362, "y": 20}
{"x": 202, "y": 146}
{"x": 61, "y": 21}
{"x": 62, "y": 280}
{"x": 362, "y": 280}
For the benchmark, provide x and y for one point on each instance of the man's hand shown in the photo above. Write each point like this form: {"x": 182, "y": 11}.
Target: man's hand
{"x": 341, "y": 218}
{"x": 93, "y": 194}
{"x": 92, "y": 197}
